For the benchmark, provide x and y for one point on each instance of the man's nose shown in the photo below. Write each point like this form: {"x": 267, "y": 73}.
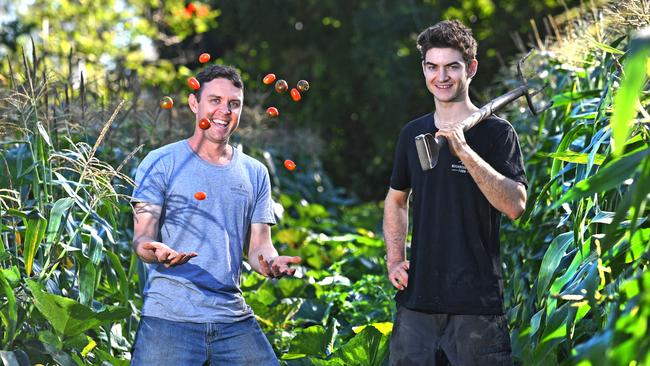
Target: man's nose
{"x": 224, "y": 108}
{"x": 442, "y": 74}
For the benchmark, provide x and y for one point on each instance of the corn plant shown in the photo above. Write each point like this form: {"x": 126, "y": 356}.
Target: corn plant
{"x": 68, "y": 297}
{"x": 577, "y": 260}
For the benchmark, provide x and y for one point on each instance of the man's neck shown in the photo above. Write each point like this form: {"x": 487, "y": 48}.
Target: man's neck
{"x": 450, "y": 114}
{"x": 216, "y": 153}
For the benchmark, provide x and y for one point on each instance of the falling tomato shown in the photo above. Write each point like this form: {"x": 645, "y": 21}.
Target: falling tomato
{"x": 204, "y": 57}
{"x": 302, "y": 85}
{"x": 290, "y": 165}
{"x": 281, "y": 86}
{"x": 193, "y": 83}
{"x": 167, "y": 103}
{"x": 204, "y": 123}
{"x": 272, "y": 112}
{"x": 200, "y": 196}
{"x": 295, "y": 94}
{"x": 268, "y": 79}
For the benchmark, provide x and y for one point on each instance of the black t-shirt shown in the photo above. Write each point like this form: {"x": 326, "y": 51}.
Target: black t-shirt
{"x": 455, "y": 266}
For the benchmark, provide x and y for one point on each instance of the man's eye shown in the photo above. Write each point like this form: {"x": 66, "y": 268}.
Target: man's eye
{"x": 234, "y": 105}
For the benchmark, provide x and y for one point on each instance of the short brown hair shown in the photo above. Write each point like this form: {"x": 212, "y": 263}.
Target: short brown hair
{"x": 218, "y": 71}
{"x": 448, "y": 34}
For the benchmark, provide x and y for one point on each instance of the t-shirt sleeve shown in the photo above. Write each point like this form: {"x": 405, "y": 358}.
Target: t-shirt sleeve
{"x": 507, "y": 158}
{"x": 263, "y": 210}
{"x": 150, "y": 181}
{"x": 400, "y": 179}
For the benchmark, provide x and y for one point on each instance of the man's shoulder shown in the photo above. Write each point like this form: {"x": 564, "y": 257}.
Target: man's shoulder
{"x": 250, "y": 162}
{"x": 496, "y": 125}
{"x": 419, "y": 125}
{"x": 170, "y": 148}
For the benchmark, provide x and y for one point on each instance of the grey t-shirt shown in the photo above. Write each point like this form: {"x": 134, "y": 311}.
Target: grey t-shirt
{"x": 205, "y": 289}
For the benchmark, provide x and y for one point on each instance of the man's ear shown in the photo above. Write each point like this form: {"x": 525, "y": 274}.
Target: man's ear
{"x": 193, "y": 103}
{"x": 472, "y": 68}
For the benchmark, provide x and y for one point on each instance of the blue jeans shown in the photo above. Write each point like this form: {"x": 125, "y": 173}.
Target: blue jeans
{"x": 160, "y": 342}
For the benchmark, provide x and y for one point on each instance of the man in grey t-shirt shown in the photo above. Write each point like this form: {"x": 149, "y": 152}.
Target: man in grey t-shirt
{"x": 198, "y": 203}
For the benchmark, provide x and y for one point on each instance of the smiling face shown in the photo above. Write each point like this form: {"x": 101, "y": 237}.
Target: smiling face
{"x": 221, "y": 103}
{"x": 446, "y": 74}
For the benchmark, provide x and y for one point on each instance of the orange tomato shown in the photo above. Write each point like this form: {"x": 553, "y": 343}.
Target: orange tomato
{"x": 268, "y": 79}
{"x": 272, "y": 112}
{"x": 290, "y": 165}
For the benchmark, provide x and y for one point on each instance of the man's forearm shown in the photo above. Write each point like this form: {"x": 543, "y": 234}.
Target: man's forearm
{"x": 502, "y": 192}
{"x": 395, "y": 229}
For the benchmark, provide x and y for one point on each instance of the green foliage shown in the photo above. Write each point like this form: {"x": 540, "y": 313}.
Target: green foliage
{"x": 576, "y": 273}
{"x": 579, "y": 253}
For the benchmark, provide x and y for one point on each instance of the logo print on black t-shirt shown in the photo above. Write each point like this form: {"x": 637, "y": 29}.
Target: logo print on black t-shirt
{"x": 458, "y": 167}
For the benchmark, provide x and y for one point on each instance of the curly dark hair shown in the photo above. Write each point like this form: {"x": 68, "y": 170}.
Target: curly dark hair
{"x": 448, "y": 34}
{"x": 218, "y": 71}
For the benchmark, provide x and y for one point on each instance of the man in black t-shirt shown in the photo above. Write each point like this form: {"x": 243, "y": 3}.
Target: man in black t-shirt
{"x": 450, "y": 293}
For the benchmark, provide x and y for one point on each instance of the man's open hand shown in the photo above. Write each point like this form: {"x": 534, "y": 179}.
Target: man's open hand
{"x": 166, "y": 255}
{"x": 277, "y": 267}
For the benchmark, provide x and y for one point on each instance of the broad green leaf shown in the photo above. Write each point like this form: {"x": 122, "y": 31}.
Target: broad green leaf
{"x": 56, "y": 214}
{"x": 310, "y": 341}
{"x": 68, "y": 317}
{"x": 369, "y": 347}
{"x": 638, "y": 245}
{"x": 535, "y": 322}
{"x": 116, "y": 265}
{"x": 571, "y": 271}
{"x": 8, "y": 312}
{"x": 627, "y": 97}
{"x": 291, "y": 286}
{"x": 555, "y": 331}
{"x": 87, "y": 275}
{"x": 36, "y": 225}
{"x": 606, "y": 178}
{"x": 552, "y": 258}
{"x": 563, "y": 99}
{"x": 574, "y": 157}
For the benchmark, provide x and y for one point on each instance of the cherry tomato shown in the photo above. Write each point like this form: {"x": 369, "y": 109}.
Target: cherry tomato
{"x": 295, "y": 94}
{"x": 200, "y": 196}
{"x": 204, "y": 123}
{"x": 290, "y": 165}
{"x": 281, "y": 86}
{"x": 204, "y": 57}
{"x": 272, "y": 112}
{"x": 268, "y": 79}
{"x": 167, "y": 103}
{"x": 302, "y": 85}
{"x": 193, "y": 83}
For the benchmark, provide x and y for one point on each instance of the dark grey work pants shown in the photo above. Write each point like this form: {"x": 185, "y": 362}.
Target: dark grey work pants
{"x": 441, "y": 339}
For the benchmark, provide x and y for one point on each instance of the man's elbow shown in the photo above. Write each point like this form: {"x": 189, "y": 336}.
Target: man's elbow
{"x": 516, "y": 210}
{"x": 515, "y": 213}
